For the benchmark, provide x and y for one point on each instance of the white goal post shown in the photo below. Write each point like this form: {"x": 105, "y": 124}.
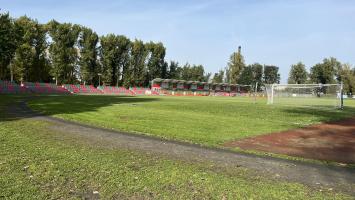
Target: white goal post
{"x": 305, "y": 94}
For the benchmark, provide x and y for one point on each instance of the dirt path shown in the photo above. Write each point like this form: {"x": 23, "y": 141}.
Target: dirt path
{"x": 314, "y": 175}
{"x": 332, "y": 141}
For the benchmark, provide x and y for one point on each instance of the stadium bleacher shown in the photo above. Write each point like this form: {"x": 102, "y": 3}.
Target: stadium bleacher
{"x": 7, "y": 87}
{"x": 143, "y": 91}
{"x": 45, "y": 88}
{"x": 116, "y": 90}
{"x": 83, "y": 89}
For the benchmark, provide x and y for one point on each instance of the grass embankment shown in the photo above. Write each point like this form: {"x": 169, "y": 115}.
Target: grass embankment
{"x": 205, "y": 120}
{"x": 37, "y": 162}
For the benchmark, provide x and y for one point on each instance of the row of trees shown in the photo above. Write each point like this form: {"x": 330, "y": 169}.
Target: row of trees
{"x": 327, "y": 72}
{"x": 237, "y": 72}
{"x": 71, "y": 53}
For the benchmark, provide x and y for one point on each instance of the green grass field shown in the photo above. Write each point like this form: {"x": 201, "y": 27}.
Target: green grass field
{"x": 204, "y": 120}
{"x": 36, "y": 163}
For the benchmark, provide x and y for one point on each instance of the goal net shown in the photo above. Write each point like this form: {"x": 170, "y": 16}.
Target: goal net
{"x": 305, "y": 94}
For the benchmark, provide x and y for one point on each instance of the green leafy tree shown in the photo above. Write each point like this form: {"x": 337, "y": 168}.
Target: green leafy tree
{"x": 251, "y": 75}
{"x": 207, "y": 77}
{"x": 123, "y": 56}
{"x": 164, "y": 70}
{"x": 197, "y": 73}
{"x": 89, "y": 65}
{"x": 257, "y": 70}
{"x": 137, "y": 67}
{"x": 246, "y": 76}
{"x": 63, "y": 51}
{"x": 185, "y": 72}
{"x": 326, "y": 72}
{"x": 218, "y": 77}
{"x": 173, "y": 70}
{"x": 347, "y": 76}
{"x": 40, "y": 67}
{"x": 8, "y": 43}
{"x": 108, "y": 58}
{"x": 227, "y": 75}
{"x": 271, "y": 74}
{"x": 235, "y": 65}
{"x": 115, "y": 58}
{"x": 30, "y": 62}
{"x": 156, "y": 63}
{"x": 193, "y": 73}
{"x": 298, "y": 74}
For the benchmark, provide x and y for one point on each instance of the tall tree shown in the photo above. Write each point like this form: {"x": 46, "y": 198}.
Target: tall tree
{"x": 207, "y": 77}
{"x": 236, "y": 65}
{"x": 271, "y": 74}
{"x": 63, "y": 51}
{"x": 89, "y": 65}
{"x": 40, "y": 67}
{"x": 227, "y": 75}
{"x": 298, "y": 74}
{"x": 156, "y": 60}
{"x": 123, "y": 56}
{"x": 30, "y": 62}
{"x": 23, "y": 58}
{"x": 326, "y": 72}
{"x": 185, "y": 72}
{"x": 173, "y": 70}
{"x": 8, "y": 43}
{"x": 246, "y": 76}
{"x": 251, "y": 75}
{"x": 108, "y": 59}
{"x": 197, "y": 73}
{"x": 347, "y": 76}
{"x": 115, "y": 58}
{"x": 164, "y": 70}
{"x": 136, "y": 74}
{"x": 257, "y": 70}
{"x": 218, "y": 77}
{"x": 193, "y": 73}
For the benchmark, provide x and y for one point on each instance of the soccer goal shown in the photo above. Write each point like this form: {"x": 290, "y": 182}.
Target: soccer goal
{"x": 305, "y": 94}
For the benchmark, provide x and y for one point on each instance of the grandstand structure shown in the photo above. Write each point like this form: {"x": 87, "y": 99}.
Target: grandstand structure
{"x": 159, "y": 87}
{"x": 82, "y": 89}
{"x": 44, "y": 88}
{"x": 197, "y": 88}
{"x": 115, "y": 90}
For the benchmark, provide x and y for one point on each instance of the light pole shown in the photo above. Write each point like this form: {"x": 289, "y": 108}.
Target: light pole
{"x": 99, "y": 74}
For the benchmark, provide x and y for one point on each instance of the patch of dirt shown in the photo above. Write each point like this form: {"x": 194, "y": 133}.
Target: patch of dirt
{"x": 332, "y": 141}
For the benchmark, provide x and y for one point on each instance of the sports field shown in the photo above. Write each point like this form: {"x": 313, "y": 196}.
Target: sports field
{"x": 44, "y": 162}
{"x": 209, "y": 121}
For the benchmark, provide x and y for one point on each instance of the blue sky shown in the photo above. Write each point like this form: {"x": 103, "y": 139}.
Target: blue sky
{"x": 278, "y": 32}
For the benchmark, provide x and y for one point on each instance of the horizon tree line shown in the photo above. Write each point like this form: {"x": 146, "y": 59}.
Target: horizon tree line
{"x": 71, "y": 53}
{"x": 329, "y": 71}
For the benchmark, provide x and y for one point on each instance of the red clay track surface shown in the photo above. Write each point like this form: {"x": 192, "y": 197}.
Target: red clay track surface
{"x": 332, "y": 141}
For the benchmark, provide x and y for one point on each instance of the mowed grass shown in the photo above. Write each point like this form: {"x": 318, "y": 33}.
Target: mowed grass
{"x": 204, "y": 120}
{"x": 37, "y": 162}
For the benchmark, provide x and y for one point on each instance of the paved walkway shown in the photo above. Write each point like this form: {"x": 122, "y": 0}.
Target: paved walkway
{"x": 314, "y": 175}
